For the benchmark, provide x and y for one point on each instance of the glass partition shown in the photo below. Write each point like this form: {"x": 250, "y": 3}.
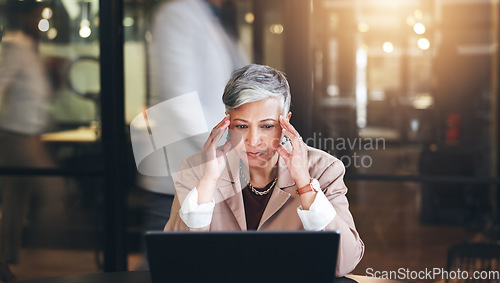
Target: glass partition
{"x": 51, "y": 162}
{"x": 408, "y": 96}
{"x": 171, "y": 49}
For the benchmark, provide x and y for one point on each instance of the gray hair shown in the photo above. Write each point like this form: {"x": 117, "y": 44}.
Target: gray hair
{"x": 256, "y": 82}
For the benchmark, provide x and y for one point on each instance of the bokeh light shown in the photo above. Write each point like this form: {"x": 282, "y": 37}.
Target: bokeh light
{"x": 424, "y": 44}
{"x": 419, "y": 28}
{"x": 388, "y": 47}
{"x": 43, "y": 25}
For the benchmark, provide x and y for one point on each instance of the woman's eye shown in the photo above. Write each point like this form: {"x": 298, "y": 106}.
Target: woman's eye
{"x": 241, "y": 126}
{"x": 268, "y": 126}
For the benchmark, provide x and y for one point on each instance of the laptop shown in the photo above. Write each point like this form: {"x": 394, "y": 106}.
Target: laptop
{"x": 243, "y": 256}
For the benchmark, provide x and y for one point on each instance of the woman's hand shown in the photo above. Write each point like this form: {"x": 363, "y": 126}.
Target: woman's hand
{"x": 296, "y": 161}
{"x": 214, "y": 161}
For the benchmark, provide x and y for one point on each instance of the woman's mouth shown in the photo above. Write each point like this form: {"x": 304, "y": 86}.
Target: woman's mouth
{"x": 254, "y": 154}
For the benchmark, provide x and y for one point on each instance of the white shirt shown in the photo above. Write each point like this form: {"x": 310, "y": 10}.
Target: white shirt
{"x": 24, "y": 88}
{"x": 316, "y": 218}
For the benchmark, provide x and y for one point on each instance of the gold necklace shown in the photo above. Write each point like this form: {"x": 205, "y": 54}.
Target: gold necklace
{"x": 259, "y": 193}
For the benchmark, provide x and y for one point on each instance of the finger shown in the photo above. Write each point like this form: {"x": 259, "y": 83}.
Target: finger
{"x": 289, "y": 134}
{"x": 226, "y": 118}
{"x": 295, "y": 140}
{"x": 222, "y": 124}
{"x": 283, "y": 153}
{"x": 287, "y": 125}
{"x": 289, "y": 130}
{"x": 218, "y": 133}
{"x": 226, "y": 147}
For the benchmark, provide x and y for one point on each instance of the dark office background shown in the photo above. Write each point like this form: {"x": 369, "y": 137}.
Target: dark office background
{"x": 413, "y": 84}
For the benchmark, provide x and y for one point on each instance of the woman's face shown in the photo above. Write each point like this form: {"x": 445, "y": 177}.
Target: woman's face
{"x": 255, "y": 131}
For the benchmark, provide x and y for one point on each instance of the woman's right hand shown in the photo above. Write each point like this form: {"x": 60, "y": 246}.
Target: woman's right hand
{"x": 214, "y": 161}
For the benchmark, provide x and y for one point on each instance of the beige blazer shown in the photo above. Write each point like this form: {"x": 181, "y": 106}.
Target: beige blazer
{"x": 281, "y": 211}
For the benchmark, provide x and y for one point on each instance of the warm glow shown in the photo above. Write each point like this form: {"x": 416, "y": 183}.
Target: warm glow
{"x": 85, "y": 31}
{"x": 419, "y": 28}
{"x": 363, "y": 27}
{"x": 361, "y": 86}
{"x": 410, "y": 21}
{"x": 148, "y": 36}
{"x": 249, "y": 18}
{"x": 418, "y": 14}
{"x": 424, "y": 44}
{"x": 43, "y": 25}
{"x": 47, "y": 13}
{"x": 128, "y": 21}
{"x": 52, "y": 33}
{"x": 333, "y": 90}
{"x": 388, "y": 47}
{"x": 276, "y": 29}
{"x": 423, "y": 101}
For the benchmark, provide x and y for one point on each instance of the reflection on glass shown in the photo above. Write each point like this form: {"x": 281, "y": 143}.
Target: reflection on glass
{"x": 47, "y": 13}
{"x": 276, "y": 29}
{"x": 419, "y": 28}
{"x": 424, "y": 44}
{"x": 249, "y": 18}
{"x": 363, "y": 27}
{"x": 40, "y": 120}
{"x": 388, "y": 47}
{"x": 43, "y": 25}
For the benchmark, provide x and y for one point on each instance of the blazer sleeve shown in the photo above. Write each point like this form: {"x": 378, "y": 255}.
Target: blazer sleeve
{"x": 351, "y": 248}
{"x": 185, "y": 181}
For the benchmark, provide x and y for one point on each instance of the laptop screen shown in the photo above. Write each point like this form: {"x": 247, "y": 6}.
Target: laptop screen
{"x": 243, "y": 256}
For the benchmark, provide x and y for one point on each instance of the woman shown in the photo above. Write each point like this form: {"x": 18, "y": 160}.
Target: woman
{"x": 264, "y": 177}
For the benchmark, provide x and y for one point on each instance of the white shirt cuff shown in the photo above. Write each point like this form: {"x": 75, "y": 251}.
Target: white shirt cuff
{"x": 319, "y": 214}
{"x": 196, "y": 215}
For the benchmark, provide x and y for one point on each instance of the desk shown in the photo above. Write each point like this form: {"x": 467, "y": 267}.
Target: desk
{"x": 79, "y": 135}
{"x": 110, "y": 277}
{"x": 143, "y": 277}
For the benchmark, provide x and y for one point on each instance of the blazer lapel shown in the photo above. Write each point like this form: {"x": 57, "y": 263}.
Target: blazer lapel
{"x": 278, "y": 197}
{"x": 231, "y": 189}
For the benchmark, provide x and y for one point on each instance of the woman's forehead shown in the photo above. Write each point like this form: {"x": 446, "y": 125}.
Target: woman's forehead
{"x": 259, "y": 110}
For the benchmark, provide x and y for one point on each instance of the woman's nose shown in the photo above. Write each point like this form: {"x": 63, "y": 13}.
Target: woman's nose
{"x": 253, "y": 138}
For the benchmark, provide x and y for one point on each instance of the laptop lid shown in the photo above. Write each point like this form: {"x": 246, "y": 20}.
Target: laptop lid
{"x": 243, "y": 256}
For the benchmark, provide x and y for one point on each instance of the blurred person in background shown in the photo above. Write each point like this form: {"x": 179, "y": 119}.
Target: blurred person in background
{"x": 194, "y": 48}
{"x": 25, "y": 95}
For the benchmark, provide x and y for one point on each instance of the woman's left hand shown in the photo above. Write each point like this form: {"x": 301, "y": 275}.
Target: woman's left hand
{"x": 297, "y": 161}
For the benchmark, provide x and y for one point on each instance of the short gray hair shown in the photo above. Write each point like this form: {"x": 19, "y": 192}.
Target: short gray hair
{"x": 256, "y": 82}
